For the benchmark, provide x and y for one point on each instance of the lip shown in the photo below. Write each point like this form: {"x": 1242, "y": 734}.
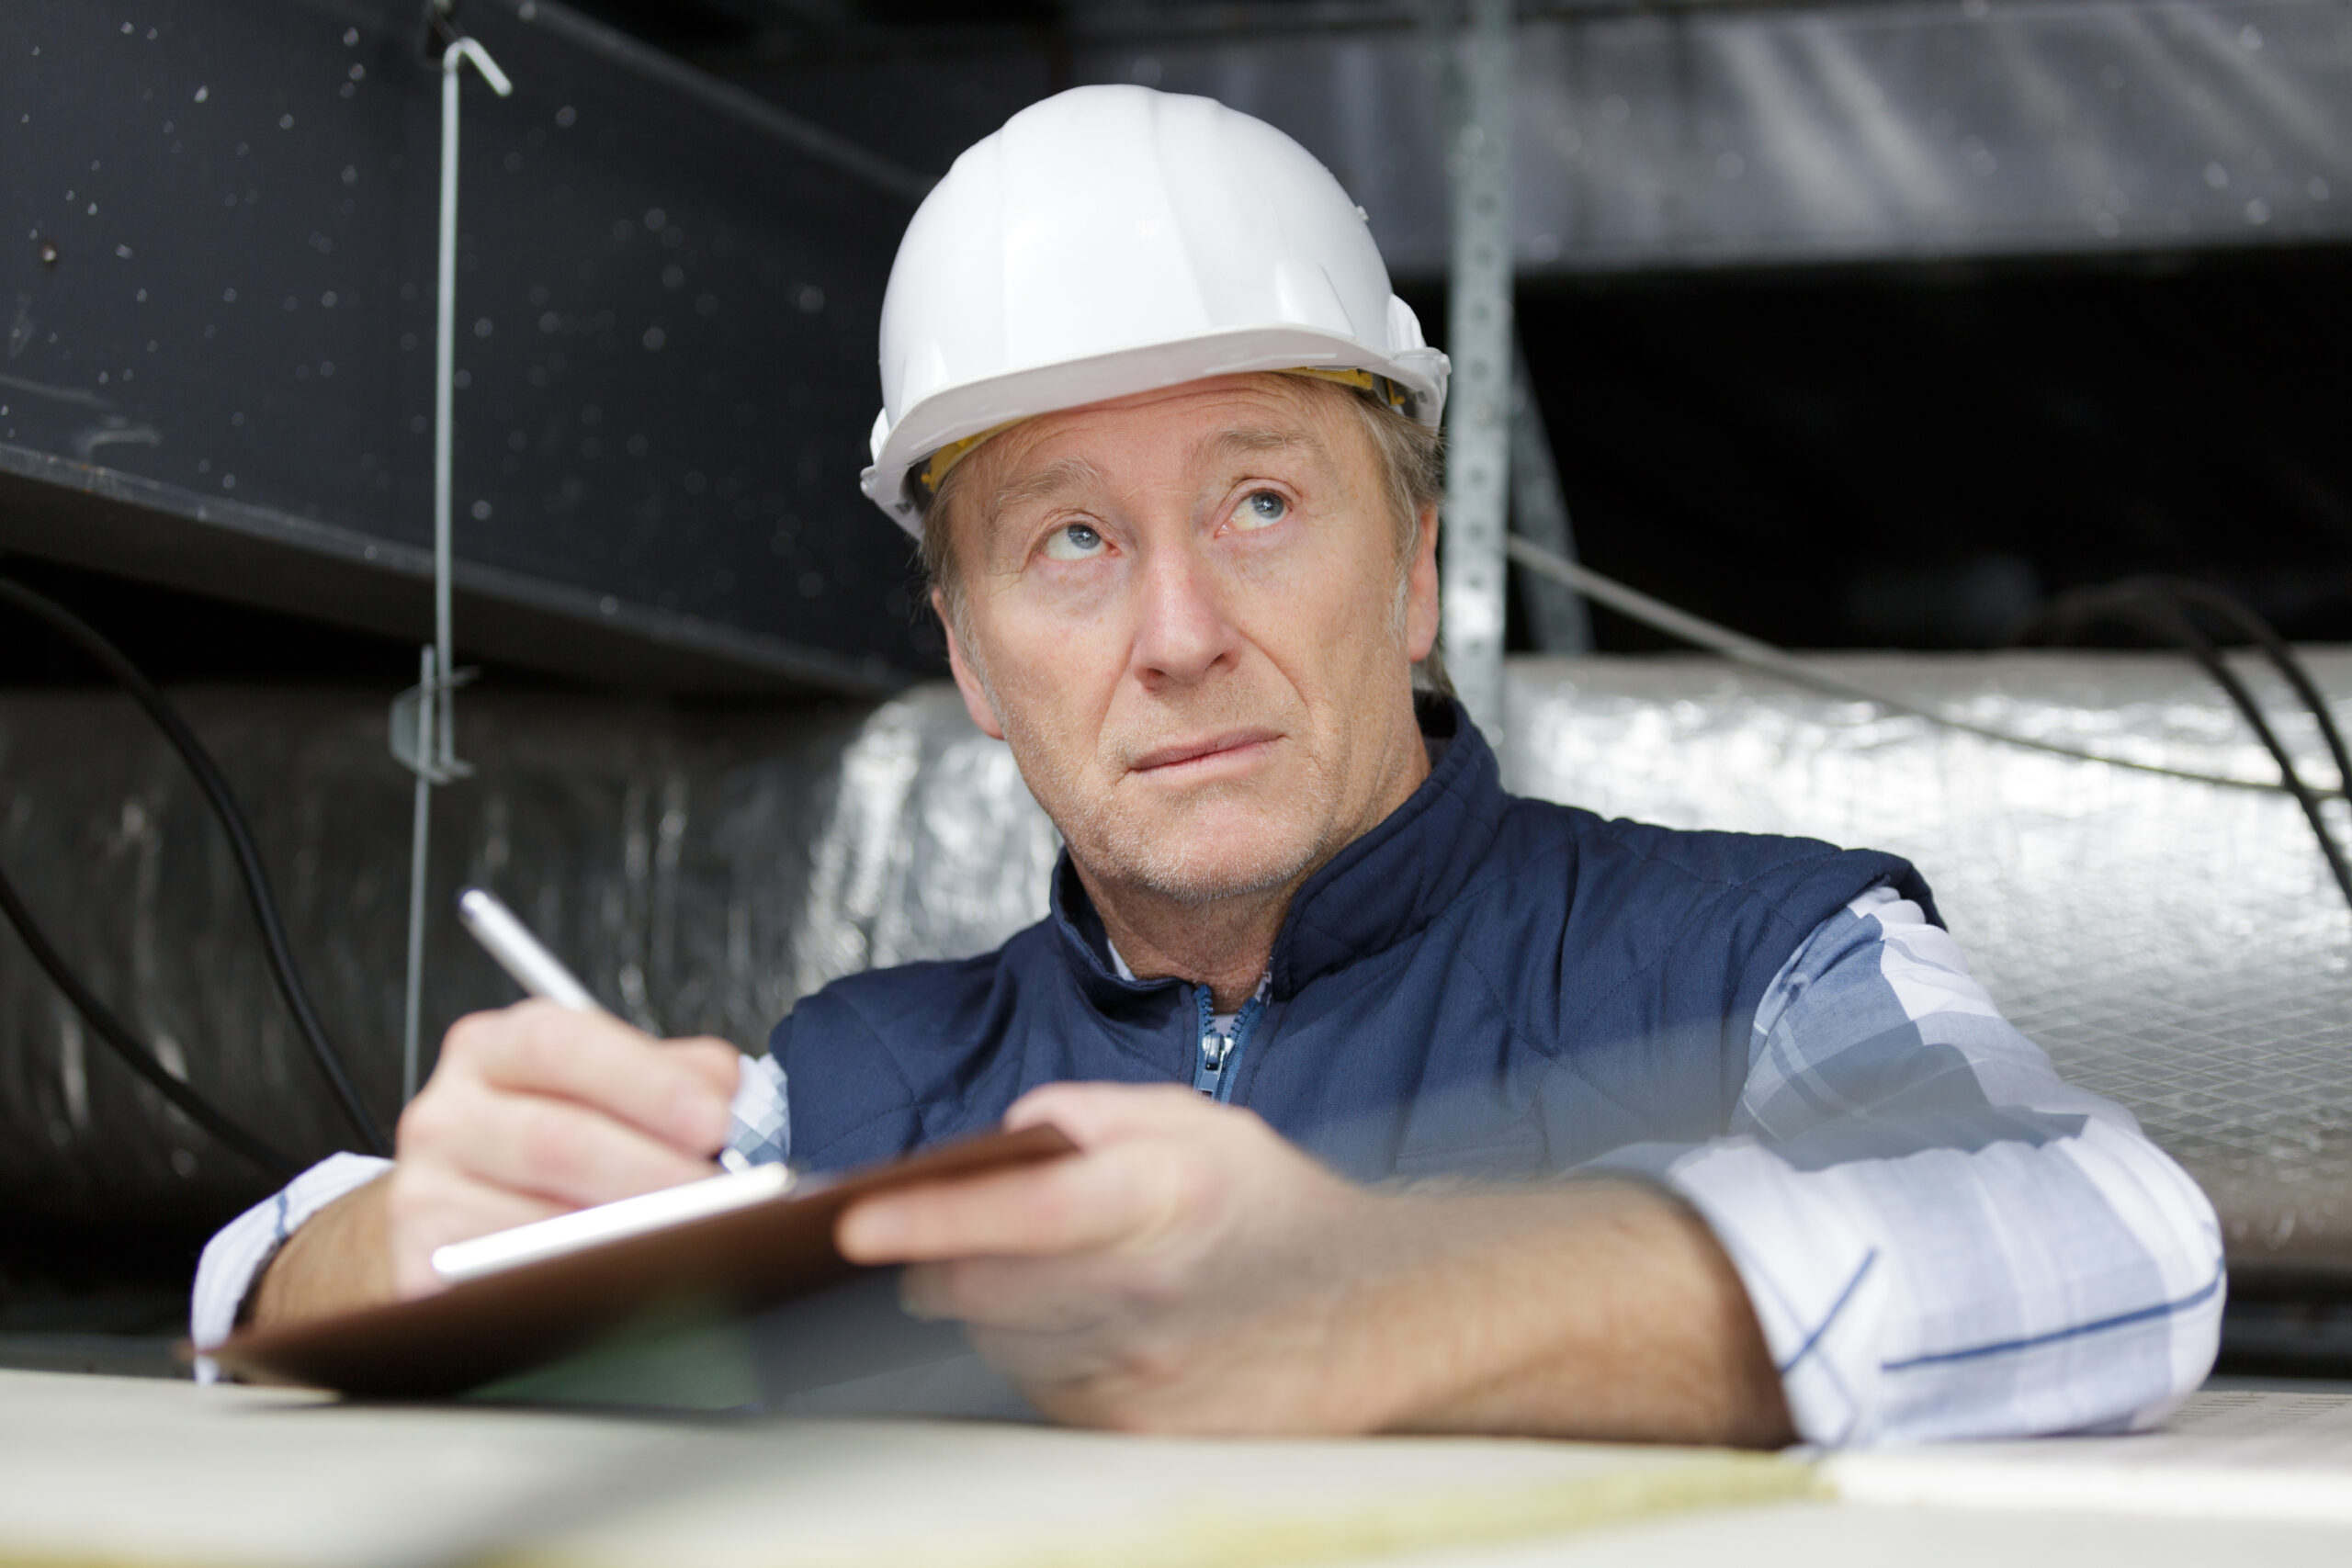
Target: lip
{"x": 1201, "y": 749}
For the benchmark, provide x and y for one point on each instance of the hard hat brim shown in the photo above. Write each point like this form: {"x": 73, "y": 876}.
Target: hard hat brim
{"x": 957, "y": 413}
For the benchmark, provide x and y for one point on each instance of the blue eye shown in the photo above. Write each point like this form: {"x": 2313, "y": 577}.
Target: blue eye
{"x": 1073, "y": 541}
{"x": 1262, "y": 508}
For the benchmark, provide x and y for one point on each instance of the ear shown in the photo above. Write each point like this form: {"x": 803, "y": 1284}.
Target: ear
{"x": 1420, "y": 589}
{"x": 976, "y": 696}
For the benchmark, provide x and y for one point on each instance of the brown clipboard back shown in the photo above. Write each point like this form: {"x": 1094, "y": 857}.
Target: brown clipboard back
{"x": 537, "y": 1313}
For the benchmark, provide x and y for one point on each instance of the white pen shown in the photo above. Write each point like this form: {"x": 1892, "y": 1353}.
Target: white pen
{"x": 537, "y": 971}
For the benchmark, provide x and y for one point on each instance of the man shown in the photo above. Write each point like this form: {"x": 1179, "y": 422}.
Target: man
{"x": 1168, "y": 444}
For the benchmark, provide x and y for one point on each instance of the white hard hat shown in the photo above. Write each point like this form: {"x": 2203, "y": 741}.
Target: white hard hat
{"x": 1114, "y": 239}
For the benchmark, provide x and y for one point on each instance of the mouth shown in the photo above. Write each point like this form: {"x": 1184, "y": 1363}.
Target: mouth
{"x": 1203, "y": 753}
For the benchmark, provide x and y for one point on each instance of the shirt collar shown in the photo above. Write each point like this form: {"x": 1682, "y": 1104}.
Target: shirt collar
{"x": 1125, "y": 971}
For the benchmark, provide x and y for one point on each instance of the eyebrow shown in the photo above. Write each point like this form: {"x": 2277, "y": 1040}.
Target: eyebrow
{"x": 1073, "y": 473}
{"x": 1063, "y": 474}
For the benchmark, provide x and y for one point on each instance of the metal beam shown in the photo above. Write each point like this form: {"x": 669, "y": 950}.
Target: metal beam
{"x": 1478, "y": 336}
{"x": 1732, "y": 134}
{"x": 217, "y": 338}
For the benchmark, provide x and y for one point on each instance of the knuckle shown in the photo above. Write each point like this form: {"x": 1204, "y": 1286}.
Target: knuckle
{"x": 463, "y": 1041}
{"x": 416, "y": 1200}
{"x": 425, "y": 1123}
{"x": 546, "y": 1144}
{"x": 478, "y": 1033}
{"x": 534, "y": 1055}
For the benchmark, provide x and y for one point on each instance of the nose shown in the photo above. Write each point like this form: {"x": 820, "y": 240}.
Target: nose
{"x": 1182, "y": 633}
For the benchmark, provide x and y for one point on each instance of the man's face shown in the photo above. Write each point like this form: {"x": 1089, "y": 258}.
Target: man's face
{"x": 1187, "y": 612}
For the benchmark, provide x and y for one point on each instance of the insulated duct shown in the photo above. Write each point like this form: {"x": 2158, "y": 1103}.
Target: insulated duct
{"x": 2177, "y": 946}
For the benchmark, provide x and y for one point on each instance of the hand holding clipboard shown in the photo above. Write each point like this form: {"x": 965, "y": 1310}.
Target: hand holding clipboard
{"x": 524, "y": 1297}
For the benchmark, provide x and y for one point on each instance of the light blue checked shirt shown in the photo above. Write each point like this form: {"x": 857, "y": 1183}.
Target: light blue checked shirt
{"x": 1941, "y": 1237}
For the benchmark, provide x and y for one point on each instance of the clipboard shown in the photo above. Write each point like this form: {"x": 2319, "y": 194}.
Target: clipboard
{"x": 534, "y": 1313}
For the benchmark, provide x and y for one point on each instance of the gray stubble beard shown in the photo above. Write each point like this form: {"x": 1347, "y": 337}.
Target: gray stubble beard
{"x": 1111, "y": 847}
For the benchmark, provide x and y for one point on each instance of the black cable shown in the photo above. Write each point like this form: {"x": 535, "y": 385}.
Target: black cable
{"x": 2158, "y": 606}
{"x": 233, "y": 822}
{"x": 125, "y": 1045}
{"x": 2257, "y": 630}
{"x": 1699, "y": 632}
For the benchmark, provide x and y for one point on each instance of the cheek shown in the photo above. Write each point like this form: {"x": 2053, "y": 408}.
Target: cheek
{"x": 1326, "y": 602}
{"x": 1052, "y": 666}
{"x": 1052, "y": 602}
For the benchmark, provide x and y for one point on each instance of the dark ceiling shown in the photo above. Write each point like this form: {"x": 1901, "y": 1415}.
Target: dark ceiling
{"x": 1908, "y": 456}
{"x": 1915, "y": 456}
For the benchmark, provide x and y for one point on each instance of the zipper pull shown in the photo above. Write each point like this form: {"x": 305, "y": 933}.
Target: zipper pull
{"x": 1215, "y": 1048}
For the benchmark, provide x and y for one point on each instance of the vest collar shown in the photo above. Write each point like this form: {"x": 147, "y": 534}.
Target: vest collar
{"x": 1376, "y": 892}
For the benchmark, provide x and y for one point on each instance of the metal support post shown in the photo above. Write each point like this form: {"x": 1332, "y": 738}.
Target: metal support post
{"x": 1478, "y": 337}
{"x": 424, "y": 718}
{"x": 1539, "y": 513}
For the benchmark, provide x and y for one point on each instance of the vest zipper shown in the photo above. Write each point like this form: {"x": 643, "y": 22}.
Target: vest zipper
{"x": 1210, "y": 1075}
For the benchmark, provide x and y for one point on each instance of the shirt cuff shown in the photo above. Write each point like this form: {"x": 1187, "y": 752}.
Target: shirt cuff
{"x": 234, "y": 1258}
{"x": 1815, "y": 1279}
{"x": 762, "y": 1113}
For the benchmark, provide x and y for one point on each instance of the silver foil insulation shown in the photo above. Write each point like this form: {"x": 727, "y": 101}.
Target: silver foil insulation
{"x": 2179, "y": 946}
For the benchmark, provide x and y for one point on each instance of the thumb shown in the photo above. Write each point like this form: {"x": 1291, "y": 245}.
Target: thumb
{"x": 1096, "y": 1113}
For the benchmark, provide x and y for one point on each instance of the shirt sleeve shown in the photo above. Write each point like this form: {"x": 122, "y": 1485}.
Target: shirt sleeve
{"x": 1941, "y": 1237}
{"x": 234, "y": 1257}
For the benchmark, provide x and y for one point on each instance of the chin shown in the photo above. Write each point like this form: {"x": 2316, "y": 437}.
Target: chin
{"x": 1201, "y": 861}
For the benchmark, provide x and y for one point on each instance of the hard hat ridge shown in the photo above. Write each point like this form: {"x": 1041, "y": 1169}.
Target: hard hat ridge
{"x": 1113, "y": 239}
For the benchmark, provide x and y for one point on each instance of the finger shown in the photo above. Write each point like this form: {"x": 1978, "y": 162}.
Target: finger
{"x": 542, "y": 1049}
{"x": 1094, "y": 1113}
{"x": 1040, "y": 1360}
{"x": 1122, "y": 1196}
{"x": 1059, "y": 1295}
{"x": 1119, "y": 1382}
{"x": 557, "y": 1149}
{"x": 715, "y": 1061}
{"x": 428, "y": 1206}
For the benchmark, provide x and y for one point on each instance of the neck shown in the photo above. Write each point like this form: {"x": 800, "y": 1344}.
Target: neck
{"x": 1222, "y": 943}
{"x": 1227, "y": 944}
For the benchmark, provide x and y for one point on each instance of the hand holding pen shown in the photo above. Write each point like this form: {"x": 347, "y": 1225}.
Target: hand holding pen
{"x": 536, "y": 1111}
{"x": 536, "y": 970}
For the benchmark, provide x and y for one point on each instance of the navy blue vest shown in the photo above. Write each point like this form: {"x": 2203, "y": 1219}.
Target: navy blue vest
{"x": 1482, "y": 984}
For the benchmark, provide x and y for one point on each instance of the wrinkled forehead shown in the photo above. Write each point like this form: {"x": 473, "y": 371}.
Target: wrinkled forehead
{"x": 1194, "y": 430}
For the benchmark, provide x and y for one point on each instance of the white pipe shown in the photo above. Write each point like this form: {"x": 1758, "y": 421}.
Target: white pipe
{"x": 1634, "y": 605}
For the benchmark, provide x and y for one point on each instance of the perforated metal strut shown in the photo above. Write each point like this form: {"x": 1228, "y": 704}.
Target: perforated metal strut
{"x": 1478, "y": 337}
